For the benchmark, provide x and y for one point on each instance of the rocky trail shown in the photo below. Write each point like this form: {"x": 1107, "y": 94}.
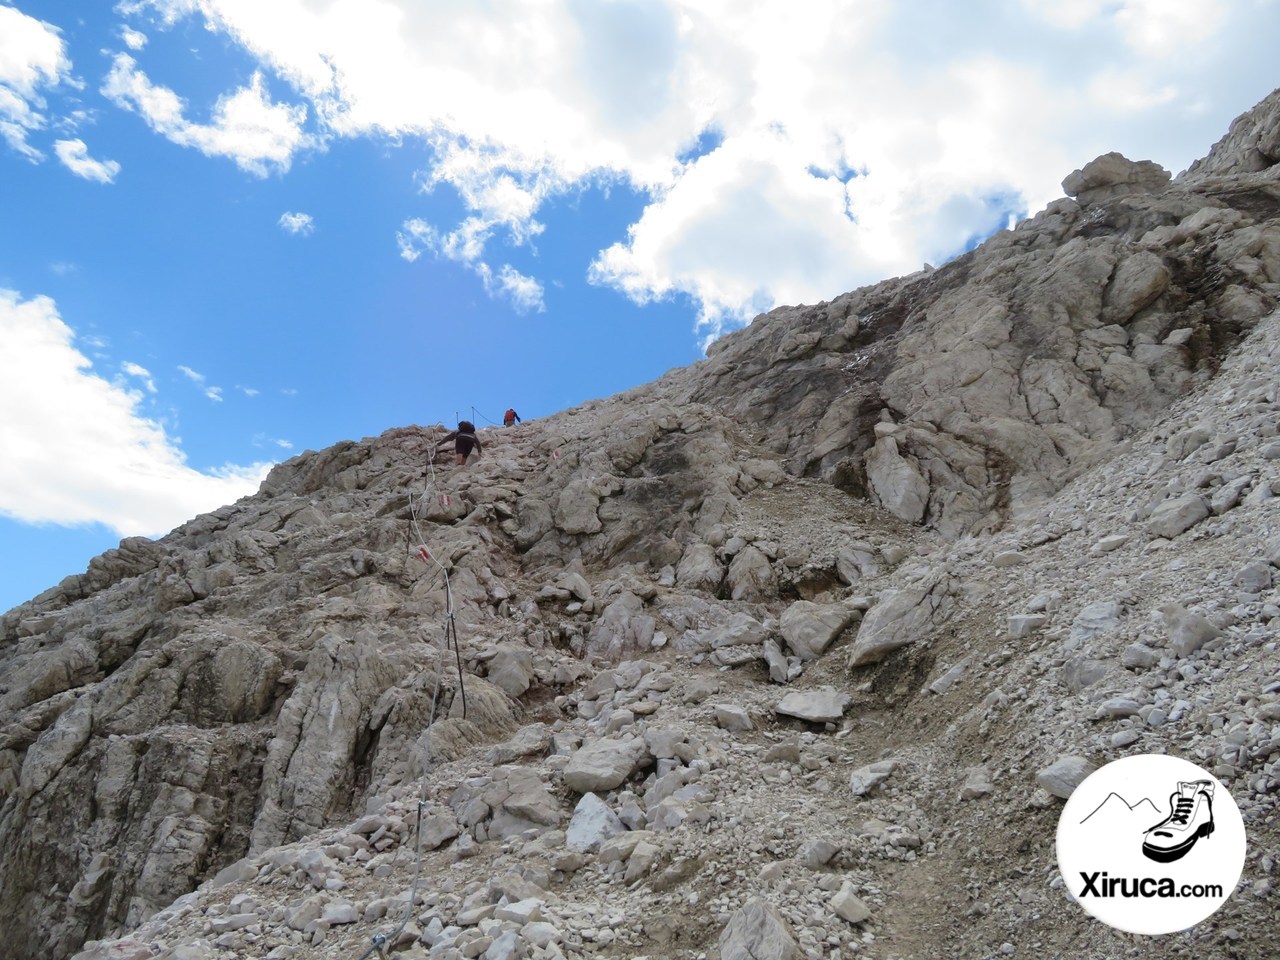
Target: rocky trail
{"x": 795, "y": 652}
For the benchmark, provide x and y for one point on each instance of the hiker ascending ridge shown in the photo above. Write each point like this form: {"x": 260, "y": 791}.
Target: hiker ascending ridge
{"x": 510, "y": 417}
{"x": 464, "y": 441}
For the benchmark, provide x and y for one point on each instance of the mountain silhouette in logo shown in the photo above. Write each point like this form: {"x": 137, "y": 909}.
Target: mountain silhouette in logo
{"x": 1115, "y": 809}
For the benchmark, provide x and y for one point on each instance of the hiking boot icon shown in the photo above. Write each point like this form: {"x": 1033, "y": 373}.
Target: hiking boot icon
{"x": 1190, "y": 818}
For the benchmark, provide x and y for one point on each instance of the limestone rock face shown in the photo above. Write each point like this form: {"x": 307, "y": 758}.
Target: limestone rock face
{"x": 1043, "y": 477}
{"x": 968, "y": 394}
{"x": 1252, "y": 145}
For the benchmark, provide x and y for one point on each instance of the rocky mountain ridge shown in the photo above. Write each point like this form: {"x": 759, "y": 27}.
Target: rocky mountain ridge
{"x": 792, "y": 652}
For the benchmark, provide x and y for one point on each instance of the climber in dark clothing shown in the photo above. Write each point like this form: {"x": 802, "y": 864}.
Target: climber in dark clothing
{"x": 464, "y": 441}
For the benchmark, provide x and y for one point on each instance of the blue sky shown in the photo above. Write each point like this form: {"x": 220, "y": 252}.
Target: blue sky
{"x": 231, "y": 231}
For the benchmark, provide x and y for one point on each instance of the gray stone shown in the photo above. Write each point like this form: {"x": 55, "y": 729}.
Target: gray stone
{"x": 1114, "y": 175}
{"x": 1254, "y": 577}
{"x": 591, "y": 825}
{"x": 1096, "y": 618}
{"x": 775, "y": 661}
{"x": 1112, "y": 543}
{"x": 733, "y": 718}
{"x": 339, "y": 912}
{"x": 750, "y": 576}
{"x": 757, "y": 931}
{"x": 511, "y": 670}
{"x": 604, "y": 764}
{"x": 810, "y": 628}
{"x": 1138, "y": 656}
{"x": 1023, "y": 625}
{"x": 977, "y": 783}
{"x": 823, "y": 705}
{"x": 521, "y": 912}
{"x": 849, "y": 907}
{"x": 1062, "y": 776}
{"x": 699, "y": 569}
{"x": 856, "y": 561}
{"x": 1187, "y": 631}
{"x": 1177, "y": 515}
{"x": 817, "y": 853}
{"x": 902, "y": 618}
{"x": 866, "y": 778}
{"x": 948, "y": 679}
{"x": 897, "y": 481}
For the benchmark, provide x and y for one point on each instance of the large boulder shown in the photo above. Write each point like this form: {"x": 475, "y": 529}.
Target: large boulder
{"x": 904, "y": 617}
{"x": 757, "y": 931}
{"x": 809, "y": 628}
{"x": 604, "y": 764}
{"x": 1114, "y": 175}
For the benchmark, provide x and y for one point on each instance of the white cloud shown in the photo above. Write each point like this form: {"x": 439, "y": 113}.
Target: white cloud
{"x": 465, "y": 245}
{"x": 32, "y": 59}
{"x": 298, "y": 224}
{"x": 248, "y": 391}
{"x": 75, "y": 157}
{"x": 262, "y": 440}
{"x": 260, "y": 136}
{"x": 524, "y": 292}
{"x": 199, "y": 379}
{"x": 142, "y": 373}
{"x": 82, "y": 452}
{"x": 953, "y": 116}
{"x": 133, "y": 39}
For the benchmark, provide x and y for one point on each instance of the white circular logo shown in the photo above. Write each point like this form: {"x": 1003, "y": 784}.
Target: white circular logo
{"x": 1151, "y": 844}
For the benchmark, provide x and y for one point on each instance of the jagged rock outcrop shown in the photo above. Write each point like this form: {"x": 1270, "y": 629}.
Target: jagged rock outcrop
{"x": 965, "y": 395}
{"x": 990, "y": 526}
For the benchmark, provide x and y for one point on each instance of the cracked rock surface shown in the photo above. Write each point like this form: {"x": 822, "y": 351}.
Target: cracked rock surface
{"x": 792, "y": 653}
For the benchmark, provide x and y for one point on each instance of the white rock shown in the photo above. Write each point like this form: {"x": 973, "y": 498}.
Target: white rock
{"x": 592, "y": 824}
{"x": 823, "y": 705}
{"x": 847, "y": 906}
{"x": 865, "y": 779}
{"x": 733, "y": 718}
{"x": 757, "y": 931}
{"x": 1062, "y": 776}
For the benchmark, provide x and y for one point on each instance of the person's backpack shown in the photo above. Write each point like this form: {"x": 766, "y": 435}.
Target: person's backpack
{"x": 466, "y": 426}
{"x": 510, "y": 414}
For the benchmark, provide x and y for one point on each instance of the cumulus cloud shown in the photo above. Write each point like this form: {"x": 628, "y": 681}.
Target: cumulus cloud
{"x": 298, "y": 224}
{"x": 32, "y": 59}
{"x": 850, "y": 140}
{"x": 259, "y": 135}
{"x": 82, "y": 452}
{"x": 74, "y": 155}
{"x": 133, "y": 39}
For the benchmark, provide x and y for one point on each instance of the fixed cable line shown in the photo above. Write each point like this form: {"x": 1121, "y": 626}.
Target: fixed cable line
{"x": 381, "y": 941}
